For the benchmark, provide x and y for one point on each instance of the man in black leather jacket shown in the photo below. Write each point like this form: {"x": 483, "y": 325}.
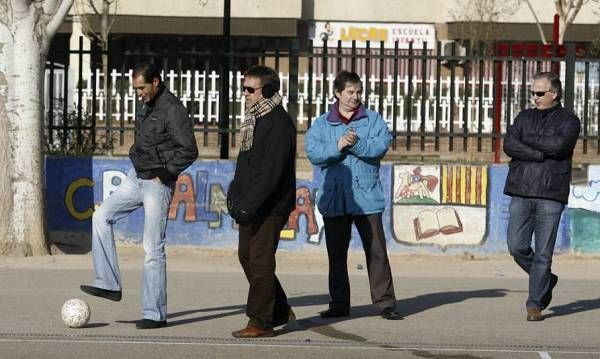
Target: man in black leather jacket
{"x": 164, "y": 146}
{"x": 540, "y": 143}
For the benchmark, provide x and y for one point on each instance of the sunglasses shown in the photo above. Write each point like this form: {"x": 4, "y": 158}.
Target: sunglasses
{"x": 250, "y": 90}
{"x": 538, "y": 93}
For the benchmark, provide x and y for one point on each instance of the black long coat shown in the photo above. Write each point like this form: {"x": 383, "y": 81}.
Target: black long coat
{"x": 265, "y": 176}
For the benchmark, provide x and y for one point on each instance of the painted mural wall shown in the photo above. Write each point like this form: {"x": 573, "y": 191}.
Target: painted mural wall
{"x": 442, "y": 208}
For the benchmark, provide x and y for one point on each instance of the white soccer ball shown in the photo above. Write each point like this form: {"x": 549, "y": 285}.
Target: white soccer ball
{"x": 75, "y": 313}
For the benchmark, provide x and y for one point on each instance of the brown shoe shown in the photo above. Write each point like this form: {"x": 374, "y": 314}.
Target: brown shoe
{"x": 252, "y": 331}
{"x": 534, "y": 315}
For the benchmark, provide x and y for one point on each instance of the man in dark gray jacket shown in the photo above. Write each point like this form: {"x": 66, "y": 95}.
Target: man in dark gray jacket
{"x": 540, "y": 143}
{"x": 164, "y": 146}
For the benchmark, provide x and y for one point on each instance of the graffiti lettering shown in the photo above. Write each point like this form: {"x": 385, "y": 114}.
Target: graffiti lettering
{"x": 184, "y": 192}
{"x": 217, "y": 204}
{"x": 111, "y": 180}
{"x": 304, "y": 206}
{"x": 70, "y": 201}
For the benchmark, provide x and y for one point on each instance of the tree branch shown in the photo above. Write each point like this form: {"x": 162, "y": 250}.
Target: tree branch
{"x": 537, "y": 23}
{"x": 58, "y": 16}
{"x": 93, "y": 6}
{"x": 558, "y": 5}
{"x": 20, "y": 5}
{"x": 49, "y": 6}
{"x": 573, "y": 11}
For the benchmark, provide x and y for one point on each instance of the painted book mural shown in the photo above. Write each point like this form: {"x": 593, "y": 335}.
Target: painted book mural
{"x": 439, "y": 205}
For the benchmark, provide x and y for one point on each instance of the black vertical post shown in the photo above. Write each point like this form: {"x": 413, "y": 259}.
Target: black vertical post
{"x": 409, "y": 95}
{"x": 93, "y": 63}
{"x": 466, "y": 97}
{"x": 395, "y": 92}
{"x": 586, "y": 98}
{"x": 293, "y": 89}
{"x": 80, "y": 93}
{"x": 423, "y": 92}
{"x": 570, "y": 77}
{"x": 367, "y": 73}
{"x": 438, "y": 94}
{"x": 324, "y": 88}
{"x": 224, "y": 96}
{"x": 50, "y": 108}
{"x": 309, "y": 112}
{"x": 452, "y": 97}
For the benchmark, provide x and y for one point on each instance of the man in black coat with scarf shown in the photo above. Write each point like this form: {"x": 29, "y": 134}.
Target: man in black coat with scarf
{"x": 261, "y": 197}
{"x": 540, "y": 142}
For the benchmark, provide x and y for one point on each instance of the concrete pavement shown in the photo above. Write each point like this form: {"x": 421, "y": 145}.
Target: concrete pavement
{"x": 453, "y": 307}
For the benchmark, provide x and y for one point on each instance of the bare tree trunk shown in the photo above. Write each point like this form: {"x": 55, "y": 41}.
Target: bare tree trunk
{"x": 25, "y": 132}
{"x": 6, "y": 198}
{"x": 26, "y": 29}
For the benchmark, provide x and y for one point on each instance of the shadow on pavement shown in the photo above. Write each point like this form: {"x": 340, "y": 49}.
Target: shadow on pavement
{"x": 405, "y": 307}
{"x": 225, "y": 311}
{"x": 421, "y": 303}
{"x": 95, "y": 325}
{"x": 575, "y": 307}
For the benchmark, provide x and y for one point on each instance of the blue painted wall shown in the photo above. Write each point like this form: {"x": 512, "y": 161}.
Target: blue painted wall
{"x": 198, "y": 216}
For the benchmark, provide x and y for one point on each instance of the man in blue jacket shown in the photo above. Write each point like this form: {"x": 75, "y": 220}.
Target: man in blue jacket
{"x": 348, "y": 143}
{"x": 540, "y": 143}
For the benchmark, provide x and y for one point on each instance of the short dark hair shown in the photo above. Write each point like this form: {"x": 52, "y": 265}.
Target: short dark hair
{"x": 555, "y": 84}
{"x": 265, "y": 74}
{"x": 343, "y": 78}
{"x": 148, "y": 71}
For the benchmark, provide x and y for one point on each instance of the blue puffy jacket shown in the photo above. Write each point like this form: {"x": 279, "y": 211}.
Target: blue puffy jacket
{"x": 351, "y": 183}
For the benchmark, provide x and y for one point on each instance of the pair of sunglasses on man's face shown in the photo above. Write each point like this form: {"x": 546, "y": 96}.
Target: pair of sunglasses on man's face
{"x": 538, "y": 93}
{"x": 250, "y": 90}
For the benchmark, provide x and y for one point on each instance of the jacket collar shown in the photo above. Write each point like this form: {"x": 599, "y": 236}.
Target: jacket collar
{"x": 545, "y": 112}
{"x": 154, "y": 100}
{"x": 333, "y": 116}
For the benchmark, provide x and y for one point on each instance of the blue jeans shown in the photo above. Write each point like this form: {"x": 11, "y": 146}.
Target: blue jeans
{"x": 529, "y": 216}
{"x": 133, "y": 193}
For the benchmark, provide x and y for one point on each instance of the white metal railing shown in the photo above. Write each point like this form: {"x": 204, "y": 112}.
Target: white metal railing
{"x": 206, "y": 104}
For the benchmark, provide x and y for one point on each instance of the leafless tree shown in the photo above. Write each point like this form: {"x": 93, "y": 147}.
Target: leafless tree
{"x": 479, "y": 21}
{"x": 567, "y": 10}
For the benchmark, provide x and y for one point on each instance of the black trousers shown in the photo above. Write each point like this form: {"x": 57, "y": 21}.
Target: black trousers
{"x": 337, "y": 236}
{"x": 256, "y": 251}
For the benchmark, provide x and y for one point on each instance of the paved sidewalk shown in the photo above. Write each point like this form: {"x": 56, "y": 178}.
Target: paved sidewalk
{"x": 453, "y": 307}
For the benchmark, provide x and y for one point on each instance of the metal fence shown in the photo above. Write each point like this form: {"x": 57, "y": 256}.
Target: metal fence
{"x": 430, "y": 100}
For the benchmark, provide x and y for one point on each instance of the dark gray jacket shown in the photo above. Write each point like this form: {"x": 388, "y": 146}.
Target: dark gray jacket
{"x": 541, "y": 143}
{"x": 164, "y": 143}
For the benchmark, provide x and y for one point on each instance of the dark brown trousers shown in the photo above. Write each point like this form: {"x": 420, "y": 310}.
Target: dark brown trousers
{"x": 256, "y": 251}
{"x": 337, "y": 236}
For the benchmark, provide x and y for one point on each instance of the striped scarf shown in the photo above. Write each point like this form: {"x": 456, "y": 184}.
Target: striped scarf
{"x": 259, "y": 109}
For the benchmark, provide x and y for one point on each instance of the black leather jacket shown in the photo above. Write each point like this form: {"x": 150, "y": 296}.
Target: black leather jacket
{"x": 164, "y": 143}
{"x": 541, "y": 143}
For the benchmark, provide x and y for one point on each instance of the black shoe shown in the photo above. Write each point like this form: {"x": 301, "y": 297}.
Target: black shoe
{"x": 114, "y": 295}
{"x": 390, "y": 314}
{"x": 547, "y": 298}
{"x": 335, "y": 313}
{"x": 289, "y": 318}
{"x": 150, "y": 324}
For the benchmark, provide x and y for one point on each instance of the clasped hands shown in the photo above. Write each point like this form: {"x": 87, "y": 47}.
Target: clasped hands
{"x": 347, "y": 140}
